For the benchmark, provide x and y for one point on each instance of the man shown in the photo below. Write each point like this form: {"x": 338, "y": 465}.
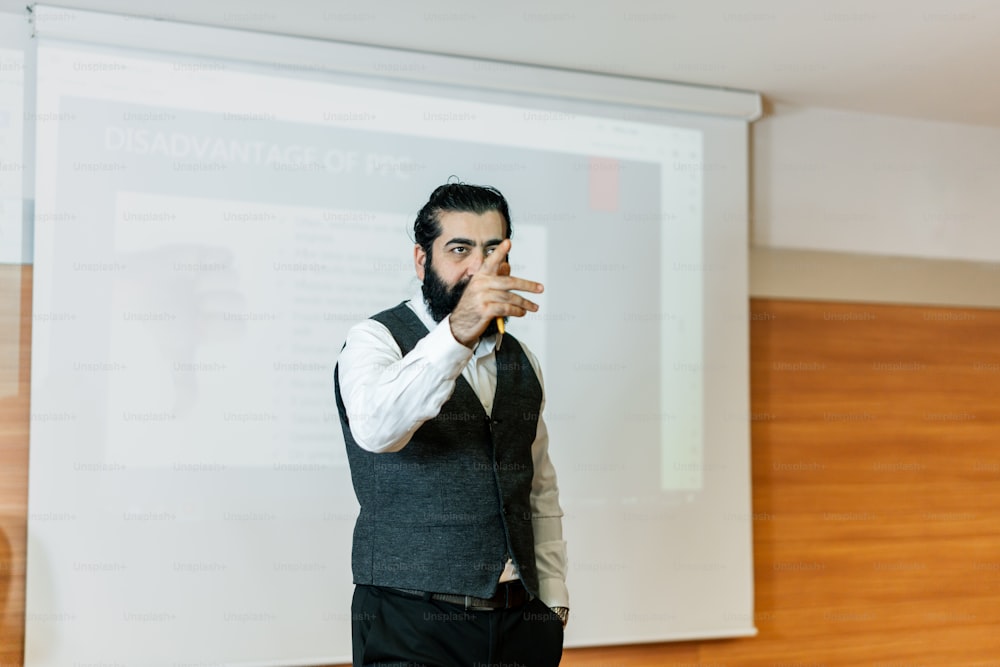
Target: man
{"x": 458, "y": 555}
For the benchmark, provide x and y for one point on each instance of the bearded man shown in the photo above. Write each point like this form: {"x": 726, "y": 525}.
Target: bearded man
{"x": 458, "y": 556}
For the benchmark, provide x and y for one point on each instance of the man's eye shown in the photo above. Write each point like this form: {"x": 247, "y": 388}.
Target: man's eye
{"x": 459, "y": 250}
{"x": 489, "y": 251}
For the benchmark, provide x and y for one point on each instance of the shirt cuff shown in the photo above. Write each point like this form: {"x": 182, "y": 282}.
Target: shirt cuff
{"x": 440, "y": 344}
{"x": 553, "y": 592}
{"x": 551, "y": 562}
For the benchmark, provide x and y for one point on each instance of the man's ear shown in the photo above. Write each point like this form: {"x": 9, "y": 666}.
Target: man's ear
{"x": 419, "y": 257}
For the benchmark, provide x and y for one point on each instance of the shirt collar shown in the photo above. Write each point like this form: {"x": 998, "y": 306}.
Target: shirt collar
{"x": 416, "y": 303}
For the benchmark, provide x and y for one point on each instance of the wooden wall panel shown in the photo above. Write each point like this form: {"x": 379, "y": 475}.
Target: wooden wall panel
{"x": 15, "y": 357}
{"x": 876, "y": 462}
{"x": 875, "y": 490}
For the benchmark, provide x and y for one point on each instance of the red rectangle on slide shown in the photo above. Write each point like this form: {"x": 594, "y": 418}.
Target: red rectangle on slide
{"x": 603, "y": 184}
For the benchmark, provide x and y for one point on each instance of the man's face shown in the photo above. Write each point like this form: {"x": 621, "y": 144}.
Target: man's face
{"x": 465, "y": 241}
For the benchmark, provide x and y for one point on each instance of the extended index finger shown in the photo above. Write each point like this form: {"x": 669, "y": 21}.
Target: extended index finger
{"x": 496, "y": 258}
{"x": 509, "y": 283}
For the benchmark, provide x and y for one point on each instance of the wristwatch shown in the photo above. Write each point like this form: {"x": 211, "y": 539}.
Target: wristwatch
{"x": 562, "y": 613}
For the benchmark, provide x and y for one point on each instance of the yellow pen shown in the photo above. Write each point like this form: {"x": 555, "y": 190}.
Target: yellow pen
{"x": 500, "y": 331}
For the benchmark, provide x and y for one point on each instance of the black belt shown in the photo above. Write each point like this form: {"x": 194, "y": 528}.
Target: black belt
{"x": 509, "y": 595}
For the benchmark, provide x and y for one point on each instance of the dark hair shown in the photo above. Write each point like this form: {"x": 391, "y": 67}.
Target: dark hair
{"x": 461, "y": 197}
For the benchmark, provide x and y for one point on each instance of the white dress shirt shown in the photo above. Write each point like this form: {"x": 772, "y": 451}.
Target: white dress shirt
{"x": 388, "y": 397}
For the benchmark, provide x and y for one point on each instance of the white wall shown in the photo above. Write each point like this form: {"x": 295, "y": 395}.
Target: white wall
{"x": 861, "y": 183}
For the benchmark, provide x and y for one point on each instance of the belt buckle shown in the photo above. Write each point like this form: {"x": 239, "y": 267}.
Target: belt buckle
{"x": 472, "y": 603}
{"x": 480, "y": 604}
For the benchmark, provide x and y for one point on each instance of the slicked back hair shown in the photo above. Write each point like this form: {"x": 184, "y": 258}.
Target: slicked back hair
{"x": 457, "y": 197}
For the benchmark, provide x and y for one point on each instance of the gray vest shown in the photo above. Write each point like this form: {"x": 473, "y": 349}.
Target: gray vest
{"x": 444, "y": 513}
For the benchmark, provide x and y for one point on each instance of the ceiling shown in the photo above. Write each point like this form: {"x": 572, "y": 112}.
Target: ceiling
{"x": 934, "y": 59}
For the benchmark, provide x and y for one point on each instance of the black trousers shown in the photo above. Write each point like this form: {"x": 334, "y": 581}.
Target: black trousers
{"x": 394, "y": 629}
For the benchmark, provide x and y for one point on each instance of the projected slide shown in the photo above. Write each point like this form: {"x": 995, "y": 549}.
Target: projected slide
{"x": 207, "y": 233}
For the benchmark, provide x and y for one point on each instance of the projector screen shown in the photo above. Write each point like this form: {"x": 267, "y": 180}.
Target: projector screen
{"x": 207, "y": 231}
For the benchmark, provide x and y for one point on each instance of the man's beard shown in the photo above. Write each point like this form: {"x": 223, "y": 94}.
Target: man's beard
{"x": 442, "y": 299}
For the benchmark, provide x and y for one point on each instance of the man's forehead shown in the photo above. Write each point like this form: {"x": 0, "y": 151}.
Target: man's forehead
{"x": 468, "y": 225}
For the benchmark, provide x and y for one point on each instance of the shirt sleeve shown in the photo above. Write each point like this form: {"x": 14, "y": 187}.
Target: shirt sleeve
{"x": 546, "y": 515}
{"x": 388, "y": 396}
